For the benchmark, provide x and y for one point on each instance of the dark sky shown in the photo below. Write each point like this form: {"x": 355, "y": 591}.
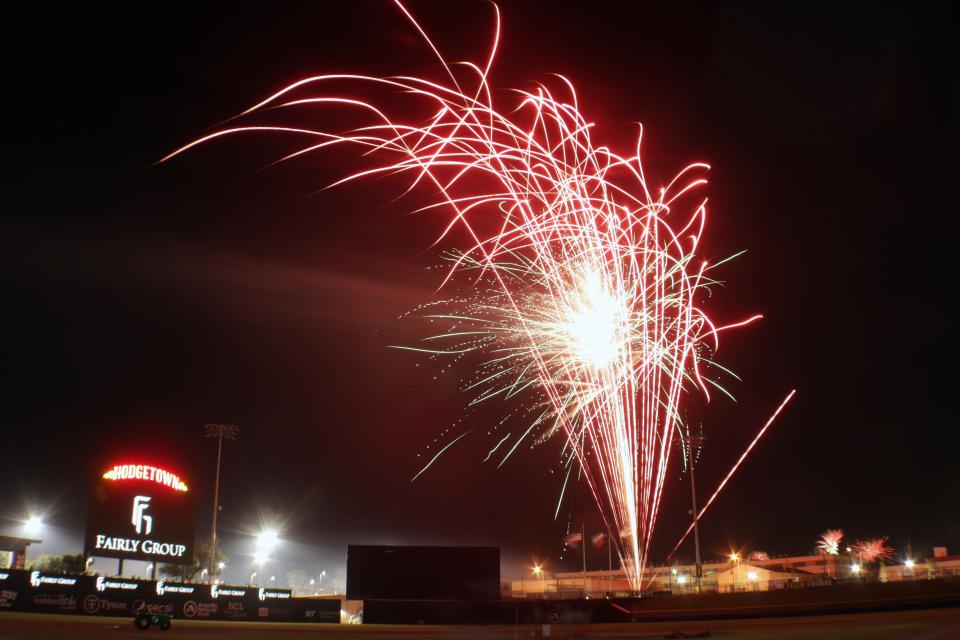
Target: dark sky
{"x": 144, "y": 301}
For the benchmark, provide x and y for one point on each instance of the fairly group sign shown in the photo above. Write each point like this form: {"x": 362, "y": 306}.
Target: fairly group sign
{"x": 141, "y": 512}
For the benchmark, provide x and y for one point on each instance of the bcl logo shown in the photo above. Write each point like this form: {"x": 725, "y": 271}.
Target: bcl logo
{"x": 141, "y": 521}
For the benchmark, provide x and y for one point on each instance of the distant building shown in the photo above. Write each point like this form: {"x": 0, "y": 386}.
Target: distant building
{"x": 734, "y": 575}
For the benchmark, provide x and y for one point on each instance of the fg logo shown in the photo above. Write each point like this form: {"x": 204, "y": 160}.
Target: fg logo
{"x": 141, "y": 521}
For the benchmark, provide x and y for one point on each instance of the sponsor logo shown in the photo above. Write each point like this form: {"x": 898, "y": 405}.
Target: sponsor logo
{"x": 37, "y": 579}
{"x": 216, "y": 591}
{"x": 91, "y": 604}
{"x": 145, "y": 472}
{"x": 193, "y": 609}
{"x": 141, "y": 521}
{"x": 130, "y": 545}
{"x": 94, "y": 604}
{"x": 105, "y": 583}
{"x": 141, "y": 605}
{"x": 7, "y": 598}
{"x": 64, "y": 603}
{"x": 163, "y": 587}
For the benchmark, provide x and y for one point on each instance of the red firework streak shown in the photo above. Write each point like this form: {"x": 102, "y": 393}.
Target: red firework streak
{"x": 733, "y": 470}
{"x": 587, "y": 274}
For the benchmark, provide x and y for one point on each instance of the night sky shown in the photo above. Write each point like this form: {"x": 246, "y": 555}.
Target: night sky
{"x": 144, "y": 301}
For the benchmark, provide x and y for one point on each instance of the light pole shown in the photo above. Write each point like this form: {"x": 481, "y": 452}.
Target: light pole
{"x": 735, "y": 564}
{"x": 252, "y": 576}
{"x": 266, "y": 542}
{"x": 260, "y": 561}
{"x": 696, "y": 525}
{"x": 538, "y": 571}
{"x": 694, "y": 441}
{"x": 221, "y": 432}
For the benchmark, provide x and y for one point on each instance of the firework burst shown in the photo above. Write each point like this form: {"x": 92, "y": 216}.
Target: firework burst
{"x": 873, "y": 549}
{"x": 829, "y": 542}
{"x": 586, "y": 276}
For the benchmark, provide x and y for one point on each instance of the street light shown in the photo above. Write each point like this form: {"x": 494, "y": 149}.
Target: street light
{"x": 538, "y": 571}
{"x": 221, "y": 565}
{"x": 252, "y": 576}
{"x": 855, "y": 568}
{"x": 908, "y": 564}
{"x": 735, "y": 560}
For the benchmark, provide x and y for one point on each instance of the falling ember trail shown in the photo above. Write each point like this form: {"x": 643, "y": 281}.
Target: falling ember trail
{"x": 733, "y": 470}
{"x": 584, "y": 278}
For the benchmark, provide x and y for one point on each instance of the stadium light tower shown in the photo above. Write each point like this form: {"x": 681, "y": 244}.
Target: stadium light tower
{"x": 221, "y": 432}
{"x": 691, "y": 445}
{"x": 33, "y": 525}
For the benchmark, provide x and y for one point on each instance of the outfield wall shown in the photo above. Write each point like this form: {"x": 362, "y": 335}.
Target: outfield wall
{"x": 42, "y": 592}
{"x": 841, "y": 598}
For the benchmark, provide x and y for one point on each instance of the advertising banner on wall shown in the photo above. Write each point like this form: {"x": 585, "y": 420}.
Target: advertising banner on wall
{"x": 141, "y": 512}
{"x": 100, "y": 595}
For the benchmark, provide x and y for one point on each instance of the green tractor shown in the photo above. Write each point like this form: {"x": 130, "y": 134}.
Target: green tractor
{"x": 144, "y": 619}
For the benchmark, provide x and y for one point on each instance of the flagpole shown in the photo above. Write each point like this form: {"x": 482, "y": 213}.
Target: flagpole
{"x": 583, "y": 545}
{"x": 609, "y": 563}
